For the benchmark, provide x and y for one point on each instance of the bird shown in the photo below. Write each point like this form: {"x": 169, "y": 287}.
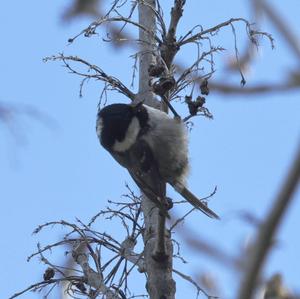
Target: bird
{"x": 152, "y": 146}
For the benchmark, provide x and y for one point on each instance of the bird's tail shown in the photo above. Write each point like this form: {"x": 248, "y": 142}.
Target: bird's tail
{"x": 194, "y": 201}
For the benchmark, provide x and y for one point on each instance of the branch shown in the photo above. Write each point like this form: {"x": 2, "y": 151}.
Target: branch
{"x": 128, "y": 253}
{"x": 182, "y": 218}
{"x": 194, "y": 283}
{"x": 91, "y": 29}
{"x": 258, "y": 89}
{"x": 208, "y": 249}
{"x": 184, "y": 80}
{"x": 282, "y": 26}
{"x": 40, "y": 285}
{"x": 268, "y": 230}
{"x": 160, "y": 252}
{"x": 158, "y": 13}
{"x": 176, "y": 14}
{"x": 214, "y": 29}
{"x": 99, "y": 74}
{"x": 160, "y": 283}
{"x": 291, "y": 82}
{"x": 169, "y": 47}
{"x": 92, "y": 278}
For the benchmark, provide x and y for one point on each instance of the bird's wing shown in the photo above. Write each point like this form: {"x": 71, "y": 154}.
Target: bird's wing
{"x": 143, "y": 168}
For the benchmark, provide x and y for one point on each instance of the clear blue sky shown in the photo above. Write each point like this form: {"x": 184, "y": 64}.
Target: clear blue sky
{"x": 55, "y": 169}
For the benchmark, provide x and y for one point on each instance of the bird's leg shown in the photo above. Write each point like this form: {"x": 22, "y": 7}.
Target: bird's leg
{"x": 176, "y": 115}
{"x": 169, "y": 203}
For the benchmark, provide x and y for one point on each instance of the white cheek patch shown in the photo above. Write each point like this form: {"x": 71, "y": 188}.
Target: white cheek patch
{"x": 130, "y": 137}
{"x": 99, "y": 127}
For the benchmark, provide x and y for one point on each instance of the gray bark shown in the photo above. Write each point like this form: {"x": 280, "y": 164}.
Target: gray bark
{"x": 147, "y": 48}
{"x": 160, "y": 284}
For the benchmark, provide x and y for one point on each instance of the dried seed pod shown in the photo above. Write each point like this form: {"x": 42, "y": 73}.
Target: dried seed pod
{"x": 200, "y": 101}
{"x": 169, "y": 203}
{"x": 194, "y": 105}
{"x": 204, "y": 87}
{"x": 93, "y": 293}
{"x": 80, "y": 286}
{"x": 49, "y": 273}
{"x": 191, "y": 105}
{"x": 188, "y": 99}
{"x": 155, "y": 70}
{"x": 163, "y": 85}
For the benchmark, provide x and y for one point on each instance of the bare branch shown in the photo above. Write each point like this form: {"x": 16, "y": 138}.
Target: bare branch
{"x": 128, "y": 253}
{"x": 243, "y": 81}
{"x": 290, "y": 83}
{"x": 194, "y": 283}
{"x": 282, "y": 26}
{"x": 209, "y": 249}
{"x": 185, "y": 78}
{"x": 11, "y": 116}
{"x": 169, "y": 47}
{"x": 181, "y": 219}
{"x": 92, "y": 278}
{"x": 91, "y": 29}
{"x": 97, "y": 74}
{"x": 268, "y": 229}
{"x": 40, "y": 285}
{"x": 160, "y": 251}
{"x": 158, "y": 14}
{"x": 216, "y": 28}
{"x": 231, "y": 89}
{"x": 176, "y": 14}
{"x": 160, "y": 283}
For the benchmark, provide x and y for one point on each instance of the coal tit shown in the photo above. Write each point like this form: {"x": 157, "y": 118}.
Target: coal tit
{"x": 152, "y": 146}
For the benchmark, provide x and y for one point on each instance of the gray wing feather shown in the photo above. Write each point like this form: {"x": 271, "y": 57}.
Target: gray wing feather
{"x": 144, "y": 170}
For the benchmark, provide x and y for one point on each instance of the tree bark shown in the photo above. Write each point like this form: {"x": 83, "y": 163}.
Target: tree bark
{"x": 160, "y": 284}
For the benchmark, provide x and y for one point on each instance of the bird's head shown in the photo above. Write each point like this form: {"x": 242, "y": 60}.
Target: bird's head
{"x": 119, "y": 125}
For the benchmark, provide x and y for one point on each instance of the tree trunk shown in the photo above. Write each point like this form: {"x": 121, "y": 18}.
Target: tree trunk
{"x": 160, "y": 284}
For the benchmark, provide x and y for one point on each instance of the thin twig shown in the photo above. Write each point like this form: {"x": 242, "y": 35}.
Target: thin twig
{"x": 181, "y": 219}
{"x": 194, "y": 283}
{"x": 98, "y": 74}
{"x": 211, "y": 30}
{"x": 90, "y": 30}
